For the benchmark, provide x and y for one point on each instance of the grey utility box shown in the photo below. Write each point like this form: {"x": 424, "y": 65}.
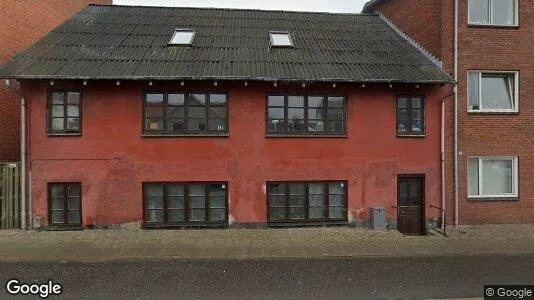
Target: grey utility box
{"x": 378, "y": 218}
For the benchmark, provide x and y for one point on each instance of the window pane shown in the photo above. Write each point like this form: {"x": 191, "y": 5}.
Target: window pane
{"x": 57, "y": 217}
{"x": 56, "y": 203}
{"x": 297, "y": 194}
{"x": 73, "y": 123}
{"x": 217, "y": 202}
{"x": 277, "y": 188}
{"x": 58, "y": 124}
{"x": 175, "y": 215}
{"x": 403, "y": 193}
{"x": 337, "y": 212}
{"x": 297, "y": 212}
{"x": 182, "y": 37}
{"x": 58, "y": 110}
{"x": 175, "y": 124}
{"x": 277, "y": 213}
{"x": 216, "y": 190}
{"x": 416, "y": 103}
{"x": 155, "y": 216}
{"x": 73, "y": 98}
{"x": 217, "y": 214}
{"x": 154, "y": 124}
{"x": 295, "y": 101}
{"x": 58, "y": 98}
{"x": 218, "y": 124}
{"x": 295, "y": 114}
{"x": 217, "y": 112}
{"x": 497, "y": 92}
{"x": 196, "y": 124}
{"x": 197, "y": 214}
{"x": 479, "y": 11}
{"x": 276, "y": 100}
{"x": 217, "y": 98}
{"x": 402, "y": 120}
{"x": 317, "y": 212}
{"x": 175, "y": 202}
{"x": 73, "y": 190}
{"x": 196, "y": 112}
{"x": 497, "y": 177}
{"x": 280, "y": 39}
{"x": 473, "y": 84}
{"x": 336, "y": 122}
{"x": 415, "y": 193}
{"x": 335, "y": 102}
{"x": 276, "y": 126}
{"x": 74, "y": 217}
{"x": 74, "y": 203}
{"x": 56, "y": 190}
{"x": 196, "y": 100}
{"x": 173, "y": 112}
{"x": 277, "y": 200}
{"x": 317, "y": 102}
{"x": 276, "y": 113}
{"x": 154, "y": 190}
{"x": 402, "y": 103}
{"x": 472, "y": 176}
{"x": 315, "y": 113}
{"x": 176, "y": 99}
{"x": 503, "y": 12}
{"x": 316, "y": 126}
{"x": 295, "y": 120}
{"x": 73, "y": 111}
{"x": 336, "y": 188}
{"x": 154, "y": 98}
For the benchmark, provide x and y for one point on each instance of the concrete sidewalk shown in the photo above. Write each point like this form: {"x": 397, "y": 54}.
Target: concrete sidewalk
{"x": 260, "y": 243}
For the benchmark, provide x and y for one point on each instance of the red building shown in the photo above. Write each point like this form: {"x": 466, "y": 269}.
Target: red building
{"x": 23, "y": 23}
{"x": 488, "y": 123}
{"x": 180, "y": 117}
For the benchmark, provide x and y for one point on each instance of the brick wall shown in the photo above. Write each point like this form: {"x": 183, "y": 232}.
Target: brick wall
{"x": 480, "y": 48}
{"x": 22, "y": 22}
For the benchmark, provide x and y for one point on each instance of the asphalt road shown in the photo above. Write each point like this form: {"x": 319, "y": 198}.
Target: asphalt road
{"x": 329, "y": 278}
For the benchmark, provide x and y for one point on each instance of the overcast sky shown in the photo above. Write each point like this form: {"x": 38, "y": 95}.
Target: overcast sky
{"x": 350, "y": 6}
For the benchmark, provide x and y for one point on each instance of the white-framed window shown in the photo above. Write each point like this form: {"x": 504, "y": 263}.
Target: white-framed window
{"x": 182, "y": 37}
{"x": 492, "y": 177}
{"x": 494, "y": 12}
{"x": 493, "y": 91}
{"x": 280, "y": 39}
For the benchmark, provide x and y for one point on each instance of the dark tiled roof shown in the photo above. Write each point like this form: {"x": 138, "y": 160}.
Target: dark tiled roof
{"x": 127, "y": 42}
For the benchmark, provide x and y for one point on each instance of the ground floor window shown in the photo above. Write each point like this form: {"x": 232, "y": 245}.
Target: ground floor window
{"x": 307, "y": 201}
{"x": 64, "y": 204}
{"x": 490, "y": 177}
{"x": 185, "y": 203}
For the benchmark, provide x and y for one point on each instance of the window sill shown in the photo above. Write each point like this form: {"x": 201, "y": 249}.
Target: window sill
{"x": 273, "y": 135}
{"x": 163, "y": 135}
{"x": 63, "y": 134}
{"x": 493, "y": 112}
{"x": 223, "y": 224}
{"x": 296, "y": 223}
{"x": 483, "y": 25}
{"x": 493, "y": 199}
{"x": 421, "y": 136}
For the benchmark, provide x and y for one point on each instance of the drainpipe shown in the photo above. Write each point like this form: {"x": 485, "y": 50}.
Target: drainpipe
{"x": 442, "y": 158}
{"x": 456, "y": 113}
{"x": 23, "y": 164}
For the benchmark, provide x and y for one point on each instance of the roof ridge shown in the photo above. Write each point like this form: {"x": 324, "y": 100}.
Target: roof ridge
{"x": 236, "y": 9}
{"x": 412, "y": 42}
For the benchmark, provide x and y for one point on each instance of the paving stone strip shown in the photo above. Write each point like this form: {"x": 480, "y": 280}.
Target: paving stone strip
{"x": 322, "y": 242}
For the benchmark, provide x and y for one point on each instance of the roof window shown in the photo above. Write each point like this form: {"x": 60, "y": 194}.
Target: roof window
{"x": 182, "y": 37}
{"x": 280, "y": 39}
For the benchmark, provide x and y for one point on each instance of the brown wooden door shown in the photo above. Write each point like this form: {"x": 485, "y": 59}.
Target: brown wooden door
{"x": 410, "y": 205}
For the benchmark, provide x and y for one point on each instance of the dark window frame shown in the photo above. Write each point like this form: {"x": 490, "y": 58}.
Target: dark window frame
{"x": 183, "y": 132}
{"x": 306, "y": 107}
{"x": 65, "y": 224}
{"x": 49, "y": 112}
{"x": 186, "y": 222}
{"x": 307, "y": 219}
{"x": 410, "y": 132}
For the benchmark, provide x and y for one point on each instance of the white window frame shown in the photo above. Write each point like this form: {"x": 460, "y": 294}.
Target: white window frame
{"x": 480, "y": 100}
{"x": 177, "y": 30}
{"x": 490, "y": 15}
{"x": 281, "y": 46}
{"x": 515, "y": 177}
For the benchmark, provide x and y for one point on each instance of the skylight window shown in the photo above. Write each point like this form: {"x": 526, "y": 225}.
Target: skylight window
{"x": 182, "y": 37}
{"x": 280, "y": 39}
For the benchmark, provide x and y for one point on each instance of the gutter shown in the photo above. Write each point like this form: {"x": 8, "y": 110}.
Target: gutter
{"x": 456, "y": 222}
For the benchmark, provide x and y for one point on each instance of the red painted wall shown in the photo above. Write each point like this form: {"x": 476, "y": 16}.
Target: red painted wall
{"x": 111, "y": 159}
{"x": 23, "y": 22}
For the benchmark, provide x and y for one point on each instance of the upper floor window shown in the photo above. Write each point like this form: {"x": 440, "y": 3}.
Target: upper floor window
{"x": 280, "y": 39}
{"x": 410, "y": 116}
{"x": 490, "y": 177}
{"x": 493, "y": 12}
{"x": 64, "y": 112}
{"x": 493, "y": 91}
{"x": 301, "y": 115}
{"x": 182, "y": 37}
{"x": 181, "y": 113}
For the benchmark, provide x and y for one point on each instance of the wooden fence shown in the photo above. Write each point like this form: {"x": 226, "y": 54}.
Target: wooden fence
{"x": 9, "y": 196}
